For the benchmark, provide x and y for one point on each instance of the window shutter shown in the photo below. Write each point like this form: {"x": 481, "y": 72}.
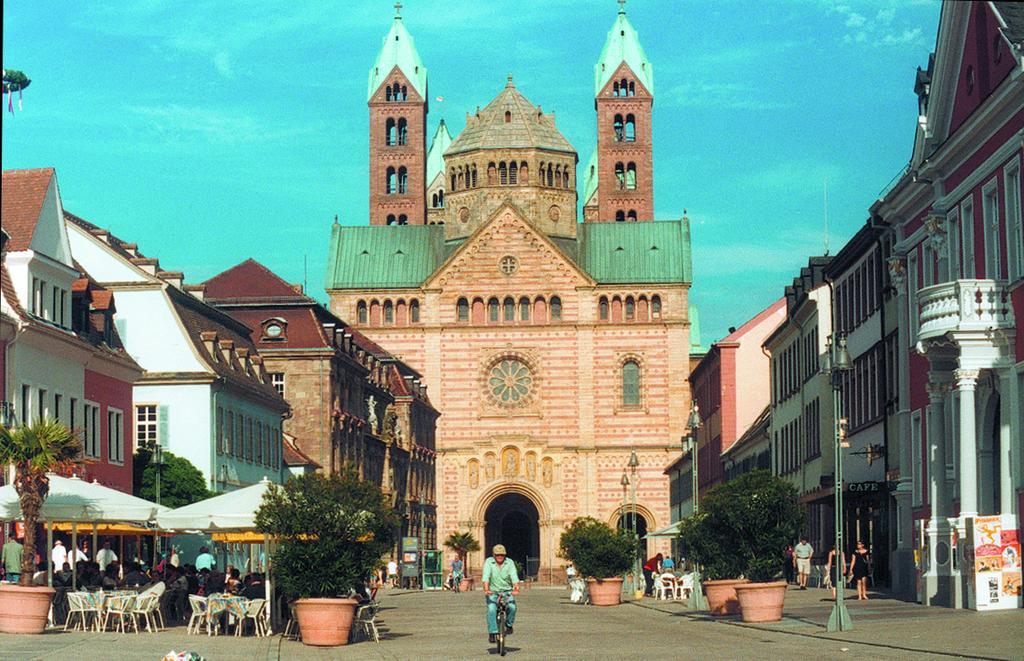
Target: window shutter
{"x": 122, "y": 329}
{"x": 163, "y": 418}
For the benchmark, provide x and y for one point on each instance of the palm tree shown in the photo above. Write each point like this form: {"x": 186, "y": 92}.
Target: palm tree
{"x": 463, "y": 543}
{"x": 43, "y": 447}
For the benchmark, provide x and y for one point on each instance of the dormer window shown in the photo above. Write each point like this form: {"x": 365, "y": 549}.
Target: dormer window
{"x": 275, "y": 329}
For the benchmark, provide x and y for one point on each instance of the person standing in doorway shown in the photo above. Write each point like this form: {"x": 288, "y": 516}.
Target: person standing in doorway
{"x": 802, "y": 558}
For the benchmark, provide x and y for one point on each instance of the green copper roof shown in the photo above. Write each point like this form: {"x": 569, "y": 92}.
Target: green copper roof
{"x": 435, "y": 157}
{"x": 383, "y": 256}
{"x": 401, "y": 256}
{"x": 695, "y": 343}
{"x": 399, "y": 51}
{"x": 648, "y": 252}
{"x": 590, "y": 177}
{"x": 622, "y": 45}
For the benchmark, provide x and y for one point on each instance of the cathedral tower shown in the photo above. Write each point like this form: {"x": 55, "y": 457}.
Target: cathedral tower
{"x": 397, "y": 99}
{"x": 619, "y": 179}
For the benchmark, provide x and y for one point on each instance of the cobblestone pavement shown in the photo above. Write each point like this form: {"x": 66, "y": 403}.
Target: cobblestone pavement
{"x": 448, "y": 626}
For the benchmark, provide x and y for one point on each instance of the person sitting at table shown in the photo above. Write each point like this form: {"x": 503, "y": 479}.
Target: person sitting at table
{"x": 215, "y": 582}
{"x": 110, "y": 577}
{"x": 256, "y": 588}
{"x": 191, "y": 579}
{"x": 135, "y": 577}
{"x": 40, "y": 578}
{"x": 203, "y": 577}
{"x": 62, "y": 578}
{"x": 232, "y": 583}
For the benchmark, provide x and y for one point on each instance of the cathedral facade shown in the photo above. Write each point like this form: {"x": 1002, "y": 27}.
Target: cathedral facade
{"x": 554, "y": 349}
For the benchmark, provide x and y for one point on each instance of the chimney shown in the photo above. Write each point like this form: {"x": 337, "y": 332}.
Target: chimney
{"x": 174, "y": 278}
{"x": 227, "y": 349}
{"x": 147, "y": 264}
{"x": 131, "y": 248}
{"x": 244, "y": 361}
{"x": 101, "y": 234}
{"x": 328, "y": 327}
{"x": 348, "y": 343}
{"x": 210, "y": 342}
{"x": 258, "y": 367}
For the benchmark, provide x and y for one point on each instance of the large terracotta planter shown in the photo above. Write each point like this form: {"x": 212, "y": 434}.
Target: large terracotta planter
{"x": 761, "y": 602}
{"x": 325, "y": 622}
{"x": 605, "y": 591}
{"x": 24, "y": 610}
{"x": 721, "y": 596}
{"x": 466, "y": 584}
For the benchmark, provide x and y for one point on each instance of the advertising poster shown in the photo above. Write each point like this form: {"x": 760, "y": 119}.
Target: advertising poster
{"x": 1011, "y": 565}
{"x": 997, "y": 563}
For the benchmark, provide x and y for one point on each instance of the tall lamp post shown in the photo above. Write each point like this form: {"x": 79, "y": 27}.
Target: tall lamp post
{"x": 691, "y": 443}
{"x": 837, "y": 362}
{"x": 624, "y": 521}
{"x": 158, "y": 461}
{"x": 634, "y": 462}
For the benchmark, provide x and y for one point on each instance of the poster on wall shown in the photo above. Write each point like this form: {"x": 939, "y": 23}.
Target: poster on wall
{"x": 997, "y": 562}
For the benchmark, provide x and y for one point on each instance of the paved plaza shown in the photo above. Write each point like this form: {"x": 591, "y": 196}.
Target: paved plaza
{"x": 448, "y": 626}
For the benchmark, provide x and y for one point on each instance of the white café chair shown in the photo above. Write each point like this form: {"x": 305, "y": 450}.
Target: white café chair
{"x": 253, "y": 611}
{"x": 198, "y": 618}
{"x": 684, "y": 586}
{"x": 665, "y": 586}
{"x": 148, "y": 607}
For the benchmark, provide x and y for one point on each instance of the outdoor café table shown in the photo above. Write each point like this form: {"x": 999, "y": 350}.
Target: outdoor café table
{"x": 98, "y": 599}
{"x": 217, "y": 604}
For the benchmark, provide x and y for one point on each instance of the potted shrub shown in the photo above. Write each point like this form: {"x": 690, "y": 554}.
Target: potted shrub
{"x": 331, "y": 532}
{"x": 34, "y": 450}
{"x": 740, "y": 532}
{"x": 601, "y": 555}
{"x": 463, "y": 543}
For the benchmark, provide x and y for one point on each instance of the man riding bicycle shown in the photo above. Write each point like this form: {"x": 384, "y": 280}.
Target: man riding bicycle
{"x": 500, "y": 577}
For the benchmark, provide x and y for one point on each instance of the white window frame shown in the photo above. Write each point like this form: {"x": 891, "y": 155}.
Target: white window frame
{"x": 990, "y": 216}
{"x": 1014, "y": 222}
{"x": 43, "y": 401}
{"x": 916, "y": 458}
{"x": 956, "y": 260}
{"x": 26, "y": 404}
{"x": 278, "y": 381}
{"x": 970, "y": 269}
{"x": 115, "y": 436}
{"x": 139, "y": 438}
{"x": 92, "y": 424}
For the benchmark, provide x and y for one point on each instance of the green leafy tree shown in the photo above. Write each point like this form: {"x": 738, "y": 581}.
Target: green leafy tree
{"x": 596, "y": 549}
{"x": 34, "y": 450}
{"x": 743, "y": 527}
{"x": 463, "y": 543}
{"x": 332, "y": 532}
{"x": 181, "y": 483}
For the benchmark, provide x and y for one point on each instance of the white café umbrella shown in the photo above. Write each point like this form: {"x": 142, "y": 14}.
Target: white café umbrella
{"x": 78, "y": 501}
{"x": 667, "y": 531}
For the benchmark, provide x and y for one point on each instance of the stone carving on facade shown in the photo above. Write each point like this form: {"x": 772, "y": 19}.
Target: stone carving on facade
{"x": 510, "y": 462}
{"x": 490, "y": 466}
{"x": 547, "y": 471}
{"x": 474, "y": 473}
{"x": 371, "y": 413}
{"x": 530, "y": 466}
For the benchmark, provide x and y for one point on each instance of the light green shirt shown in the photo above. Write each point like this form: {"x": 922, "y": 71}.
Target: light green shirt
{"x": 500, "y": 578}
{"x": 12, "y": 557}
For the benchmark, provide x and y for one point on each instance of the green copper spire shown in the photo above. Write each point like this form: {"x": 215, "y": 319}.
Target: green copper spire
{"x": 622, "y": 45}
{"x": 435, "y": 157}
{"x": 590, "y": 177}
{"x": 399, "y": 51}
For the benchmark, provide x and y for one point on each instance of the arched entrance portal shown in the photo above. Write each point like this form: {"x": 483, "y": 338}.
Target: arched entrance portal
{"x": 512, "y": 520}
{"x": 626, "y": 523}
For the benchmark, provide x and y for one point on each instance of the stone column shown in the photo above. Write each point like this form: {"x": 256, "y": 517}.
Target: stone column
{"x": 1007, "y": 393}
{"x": 937, "y": 492}
{"x": 966, "y": 382}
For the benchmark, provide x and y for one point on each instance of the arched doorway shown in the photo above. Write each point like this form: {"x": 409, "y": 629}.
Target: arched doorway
{"x": 626, "y": 523}
{"x": 512, "y": 520}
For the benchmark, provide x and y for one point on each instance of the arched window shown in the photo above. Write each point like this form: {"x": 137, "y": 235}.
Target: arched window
{"x": 478, "y": 310}
{"x": 453, "y": 186}
{"x": 440, "y": 198}
{"x": 617, "y": 127}
{"x": 405, "y": 94}
{"x": 361, "y": 314}
{"x": 374, "y": 313}
{"x": 403, "y": 132}
{"x": 642, "y": 308}
{"x": 630, "y": 128}
{"x": 524, "y": 174}
{"x": 459, "y": 181}
{"x": 508, "y": 116}
{"x": 656, "y": 306}
{"x": 414, "y": 311}
{"x": 551, "y": 181}
{"x": 433, "y": 201}
{"x": 513, "y": 173}
{"x": 401, "y": 313}
{"x": 389, "y": 312}
{"x": 632, "y": 89}
{"x": 403, "y": 180}
{"x": 492, "y": 310}
{"x": 462, "y": 310}
{"x": 540, "y": 170}
{"x": 630, "y": 308}
{"x": 615, "y": 89}
{"x": 623, "y": 86}
{"x": 396, "y": 92}
{"x": 391, "y": 219}
{"x": 631, "y": 215}
{"x": 565, "y": 177}
{"x": 524, "y": 309}
{"x": 631, "y": 383}
{"x": 540, "y": 311}
{"x": 602, "y": 307}
{"x": 473, "y": 173}
{"x": 620, "y": 175}
{"x": 403, "y": 219}
{"x": 390, "y": 132}
{"x": 387, "y": 94}
{"x": 620, "y": 216}
{"x": 631, "y": 176}
{"x": 490, "y": 174}
{"x": 616, "y": 309}
{"x": 556, "y": 308}
{"x": 392, "y": 181}
{"x": 509, "y": 306}
{"x": 503, "y": 173}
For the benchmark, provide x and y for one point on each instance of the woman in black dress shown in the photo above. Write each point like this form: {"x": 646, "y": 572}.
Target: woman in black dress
{"x": 859, "y": 570}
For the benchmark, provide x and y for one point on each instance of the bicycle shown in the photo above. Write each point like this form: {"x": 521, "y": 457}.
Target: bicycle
{"x": 502, "y": 620}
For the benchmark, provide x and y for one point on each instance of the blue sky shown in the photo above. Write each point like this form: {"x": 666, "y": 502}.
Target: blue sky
{"x": 209, "y": 132}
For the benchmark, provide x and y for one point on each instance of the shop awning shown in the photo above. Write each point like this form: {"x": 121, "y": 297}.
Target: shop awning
{"x": 668, "y": 531}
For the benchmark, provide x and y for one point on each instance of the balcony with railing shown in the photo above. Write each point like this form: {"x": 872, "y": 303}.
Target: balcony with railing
{"x": 964, "y": 306}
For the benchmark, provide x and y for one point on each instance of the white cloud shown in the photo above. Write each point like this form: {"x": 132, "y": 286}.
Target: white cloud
{"x": 222, "y": 62}
{"x": 855, "y": 20}
{"x": 178, "y": 123}
{"x": 732, "y": 96}
{"x": 905, "y": 37}
{"x": 883, "y": 29}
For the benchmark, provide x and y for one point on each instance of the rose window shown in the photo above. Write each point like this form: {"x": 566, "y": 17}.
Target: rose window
{"x": 510, "y": 381}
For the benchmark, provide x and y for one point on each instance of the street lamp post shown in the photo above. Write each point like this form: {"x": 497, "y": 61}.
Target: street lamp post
{"x": 837, "y": 361}
{"x": 623, "y": 520}
{"x": 692, "y": 444}
{"x": 634, "y": 462}
{"x": 158, "y": 461}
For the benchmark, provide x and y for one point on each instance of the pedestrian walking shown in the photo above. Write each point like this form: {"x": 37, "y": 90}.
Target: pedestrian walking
{"x": 802, "y": 559}
{"x": 860, "y": 569}
{"x": 789, "y": 564}
{"x": 831, "y": 568}
{"x": 393, "y": 573}
{"x": 11, "y": 554}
